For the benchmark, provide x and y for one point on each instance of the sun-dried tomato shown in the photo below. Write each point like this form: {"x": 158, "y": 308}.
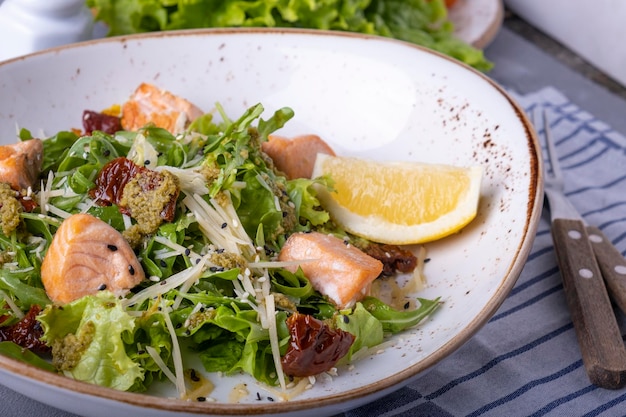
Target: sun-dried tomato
{"x": 28, "y": 204}
{"x": 99, "y": 121}
{"x": 393, "y": 257}
{"x": 114, "y": 177}
{"x": 27, "y": 332}
{"x": 314, "y": 347}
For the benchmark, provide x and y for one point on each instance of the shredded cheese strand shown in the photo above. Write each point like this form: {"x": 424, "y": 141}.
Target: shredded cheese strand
{"x": 169, "y": 284}
{"x": 273, "y": 333}
{"x": 57, "y": 211}
{"x": 176, "y": 355}
{"x": 157, "y": 359}
{"x": 14, "y": 308}
{"x": 211, "y": 222}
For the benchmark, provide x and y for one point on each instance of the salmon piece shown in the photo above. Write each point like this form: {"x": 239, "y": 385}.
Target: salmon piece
{"x": 341, "y": 272}
{"x": 87, "y": 255}
{"x": 296, "y": 157}
{"x": 20, "y": 163}
{"x": 150, "y": 104}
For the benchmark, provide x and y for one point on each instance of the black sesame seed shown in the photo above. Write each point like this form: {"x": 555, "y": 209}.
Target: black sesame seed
{"x": 270, "y": 399}
{"x": 258, "y": 396}
{"x": 285, "y": 214}
{"x": 213, "y": 269}
{"x": 407, "y": 305}
{"x": 141, "y": 352}
{"x": 163, "y": 263}
{"x": 426, "y": 260}
{"x": 102, "y": 287}
{"x": 187, "y": 252}
{"x": 194, "y": 377}
{"x": 178, "y": 325}
{"x": 198, "y": 261}
{"x": 164, "y": 282}
{"x": 201, "y": 399}
{"x": 202, "y": 309}
{"x": 219, "y": 251}
{"x": 106, "y": 152}
{"x": 224, "y": 225}
{"x": 112, "y": 248}
{"x": 346, "y": 319}
{"x": 146, "y": 162}
{"x": 187, "y": 332}
{"x": 131, "y": 270}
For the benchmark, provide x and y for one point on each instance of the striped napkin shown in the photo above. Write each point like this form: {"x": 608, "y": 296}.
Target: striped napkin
{"x": 526, "y": 361}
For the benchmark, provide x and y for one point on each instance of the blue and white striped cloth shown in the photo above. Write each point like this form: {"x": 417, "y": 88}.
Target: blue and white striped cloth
{"x": 526, "y": 361}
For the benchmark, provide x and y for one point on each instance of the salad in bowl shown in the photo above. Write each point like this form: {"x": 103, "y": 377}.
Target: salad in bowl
{"x": 162, "y": 243}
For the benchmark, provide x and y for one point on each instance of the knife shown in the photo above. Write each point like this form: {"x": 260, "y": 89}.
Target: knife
{"x": 612, "y": 265}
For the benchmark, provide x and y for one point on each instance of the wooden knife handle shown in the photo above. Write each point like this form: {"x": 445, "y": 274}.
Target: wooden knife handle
{"x": 611, "y": 263}
{"x": 600, "y": 340}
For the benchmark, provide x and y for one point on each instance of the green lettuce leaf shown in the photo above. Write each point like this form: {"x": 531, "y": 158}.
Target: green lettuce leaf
{"x": 423, "y": 22}
{"x": 366, "y": 328}
{"x": 86, "y": 340}
{"x": 302, "y": 193}
{"x": 230, "y": 339}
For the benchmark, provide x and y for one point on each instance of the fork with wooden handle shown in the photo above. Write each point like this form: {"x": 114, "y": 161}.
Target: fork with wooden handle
{"x": 582, "y": 269}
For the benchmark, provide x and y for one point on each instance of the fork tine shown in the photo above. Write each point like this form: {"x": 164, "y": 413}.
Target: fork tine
{"x": 555, "y": 166}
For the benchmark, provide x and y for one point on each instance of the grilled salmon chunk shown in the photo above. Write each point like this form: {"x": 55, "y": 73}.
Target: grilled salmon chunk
{"x": 86, "y": 256}
{"x": 296, "y": 157}
{"x": 150, "y": 104}
{"x": 340, "y": 271}
{"x": 20, "y": 163}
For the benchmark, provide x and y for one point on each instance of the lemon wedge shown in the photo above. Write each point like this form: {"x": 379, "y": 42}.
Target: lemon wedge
{"x": 399, "y": 202}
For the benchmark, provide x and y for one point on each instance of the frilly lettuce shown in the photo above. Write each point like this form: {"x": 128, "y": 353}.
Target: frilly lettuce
{"x": 423, "y": 22}
{"x": 88, "y": 335}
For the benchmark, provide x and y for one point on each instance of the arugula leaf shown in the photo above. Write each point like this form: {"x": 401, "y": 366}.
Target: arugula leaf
{"x": 55, "y": 150}
{"x": 15, "y": 351}
{"x": 27, "y": 294}
{"x": 238, "y": 155}
{"x": 393, "y": 320}
{"x": 295, "y": 285}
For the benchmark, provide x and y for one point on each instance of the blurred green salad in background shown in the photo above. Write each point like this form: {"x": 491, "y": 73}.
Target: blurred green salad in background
{"x": 423, "y": 22}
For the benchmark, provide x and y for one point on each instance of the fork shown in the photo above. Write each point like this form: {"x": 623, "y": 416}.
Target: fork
{"x": 584, "y": 255}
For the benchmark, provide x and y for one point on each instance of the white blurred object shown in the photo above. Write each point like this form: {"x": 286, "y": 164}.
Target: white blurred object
{"x": 477, "y": 22}
{"x": 31, "y": 25}
{"x": 594, "y": 29}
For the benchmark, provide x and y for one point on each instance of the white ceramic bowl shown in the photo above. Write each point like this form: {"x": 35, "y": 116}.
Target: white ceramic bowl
{"x": 367, "y": 96}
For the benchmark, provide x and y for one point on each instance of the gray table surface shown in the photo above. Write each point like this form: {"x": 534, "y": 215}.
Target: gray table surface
{"x": 520, "y": 66}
